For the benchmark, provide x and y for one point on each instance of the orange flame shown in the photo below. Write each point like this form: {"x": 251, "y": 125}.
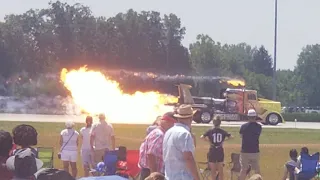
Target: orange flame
{"x": 236, "y": 82}
{"x": 95, "y": 93}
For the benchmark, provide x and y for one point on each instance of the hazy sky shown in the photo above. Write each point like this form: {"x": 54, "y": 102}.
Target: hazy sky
{"x": 227, "y": 21}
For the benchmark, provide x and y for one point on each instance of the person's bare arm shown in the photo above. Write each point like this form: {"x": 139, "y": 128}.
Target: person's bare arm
{"x": 285, "y": 174}
{"x": 77, "y": 142}
{"x": 113, "y": 142}
{"x": 191, "y": 164}
{"x": 151, "y": 161}
{"x": 229, "y": 137}
{"x": 91, "y": 140}
{"x": 61, "y": 141}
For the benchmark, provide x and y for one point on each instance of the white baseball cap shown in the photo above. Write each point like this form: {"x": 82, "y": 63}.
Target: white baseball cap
{"x": 252, "y": 113}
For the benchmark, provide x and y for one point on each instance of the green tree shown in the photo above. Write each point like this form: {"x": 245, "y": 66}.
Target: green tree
{"x": 261, "y": 62}
{"x": 308, "y": 69}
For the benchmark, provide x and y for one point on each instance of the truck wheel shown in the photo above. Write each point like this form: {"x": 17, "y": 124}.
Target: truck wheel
{"x": 273, "y": 119}
{"x": 206, "y": 117}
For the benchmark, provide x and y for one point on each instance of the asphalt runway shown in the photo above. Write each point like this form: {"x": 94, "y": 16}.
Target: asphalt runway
{"x": 78, "y": 119}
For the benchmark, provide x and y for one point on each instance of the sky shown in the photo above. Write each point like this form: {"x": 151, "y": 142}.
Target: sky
{"x": 227, "y": 21}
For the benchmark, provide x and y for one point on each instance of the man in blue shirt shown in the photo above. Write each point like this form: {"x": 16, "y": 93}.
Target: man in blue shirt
{"x": 250, "y": 133}
{"x": 179, "y": 149}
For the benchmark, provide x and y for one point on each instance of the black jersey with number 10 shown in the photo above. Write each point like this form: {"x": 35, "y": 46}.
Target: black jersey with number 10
{"x": 216, "y": 136}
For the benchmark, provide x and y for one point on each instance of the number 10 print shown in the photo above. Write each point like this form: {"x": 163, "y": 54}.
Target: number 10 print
{"x": 217, "y": 138}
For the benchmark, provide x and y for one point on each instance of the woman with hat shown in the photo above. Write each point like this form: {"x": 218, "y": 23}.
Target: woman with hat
{"x": 69, "y": 148}
{"x": 179, "y": 149}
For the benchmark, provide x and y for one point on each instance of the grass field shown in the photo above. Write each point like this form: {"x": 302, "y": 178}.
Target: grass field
{"x": 275, "y": 143}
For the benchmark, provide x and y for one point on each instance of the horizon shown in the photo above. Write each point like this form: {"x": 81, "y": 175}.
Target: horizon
{"x": 252, "y": 21}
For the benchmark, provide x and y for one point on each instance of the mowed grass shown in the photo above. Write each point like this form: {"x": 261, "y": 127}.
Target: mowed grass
{"x": 275, "y": 143}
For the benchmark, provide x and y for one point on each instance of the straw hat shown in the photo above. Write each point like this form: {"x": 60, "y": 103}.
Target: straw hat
{"x": 184, "y": 111}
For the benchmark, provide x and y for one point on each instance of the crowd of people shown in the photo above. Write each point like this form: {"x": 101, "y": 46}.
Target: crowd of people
{"x": 170, "y": 147}
{"x": 167, "y": 152}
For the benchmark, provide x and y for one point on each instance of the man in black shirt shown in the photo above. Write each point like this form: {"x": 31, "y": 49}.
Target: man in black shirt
{"x": 250, "y": 133}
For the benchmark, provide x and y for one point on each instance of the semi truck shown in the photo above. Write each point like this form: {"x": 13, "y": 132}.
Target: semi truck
{"x": 232, "y": 105}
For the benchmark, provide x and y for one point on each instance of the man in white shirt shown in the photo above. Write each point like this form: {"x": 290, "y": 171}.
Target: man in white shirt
{"x": 101, "y": 138}
{"x": 86, "y": 154}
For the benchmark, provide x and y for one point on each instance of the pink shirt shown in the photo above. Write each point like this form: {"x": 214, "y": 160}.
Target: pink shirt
{"x": 152, "y": 144}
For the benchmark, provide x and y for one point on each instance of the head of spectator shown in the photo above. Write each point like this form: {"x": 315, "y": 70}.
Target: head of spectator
{"x": 256, "y": 177}
{"x": 216, "y": 122}
{"x": 89, "y": 121}
{"x": 293, "y": 154}
{"x": 102, "y": 117}
{"x": 5, "y": 143}
{"x": 185, "y": 114}
{"x": 5, "y": 148}
{"x": 304, "y": 150}
{"x": 155, "y": 176}
{"x": 52, "y": 174}
{"x": 252, "y": 115}
{"x": 24, "y": 164}
{"x": 69, "y": 124}
{"x": 157, "y": 121}
{"x": 167, "y": 120}
{"x": 25, "y": 136}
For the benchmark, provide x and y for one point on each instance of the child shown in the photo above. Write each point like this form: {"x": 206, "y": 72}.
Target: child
{"x": 291, "y": 166}
{"x": 216, "y": 136}
{"x": 25, "y": 136}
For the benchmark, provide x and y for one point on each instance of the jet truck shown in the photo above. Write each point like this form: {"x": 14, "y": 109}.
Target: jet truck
{"x": 232, "y": 105}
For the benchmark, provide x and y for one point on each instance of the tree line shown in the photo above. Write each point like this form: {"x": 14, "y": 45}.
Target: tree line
{"x": 42, "y": 41}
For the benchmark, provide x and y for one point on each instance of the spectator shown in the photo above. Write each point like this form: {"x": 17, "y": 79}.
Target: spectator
{"x": 154, "y": 125}
{"x": 101, "y": 139}
{"x": 86, "y": 154}
{"x": 179, "y": 149}
{"x": 25, "y": 136}
{"x": 151, "y": 159}
{"x": 24, "y": 164}
{"x": 5, "y": 147}
{"x": 53, "y": 174}
{"x": 69, "y": 148}
{"x": 291, "y": 166}
{"x": 155, "y": 176}
{"x": 250, "y": 133}
{"x": 216, "y": 136}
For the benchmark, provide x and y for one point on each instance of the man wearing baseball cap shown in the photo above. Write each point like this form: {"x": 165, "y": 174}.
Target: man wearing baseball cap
{"x": 250, "y": 133}
{"x": 151, "y": 159}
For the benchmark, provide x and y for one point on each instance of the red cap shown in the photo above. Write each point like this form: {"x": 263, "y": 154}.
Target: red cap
{"x": 169, "y": 117}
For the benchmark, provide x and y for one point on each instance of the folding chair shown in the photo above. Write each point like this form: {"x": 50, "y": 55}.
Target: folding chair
{"x": 129, "y": 167}
{"x": 45, "y": 154}
{"x": 235, "y": 166}
{"x": 205, "y": 172}
{"x": 309, "y": 165}
{"x": 108, "y": 166}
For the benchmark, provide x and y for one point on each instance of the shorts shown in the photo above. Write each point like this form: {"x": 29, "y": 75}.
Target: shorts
{"x": 87, "y": 157}
{"x": 98, "y": 155}
{"x": 216, "y": 155}
{"x": 251, "y": 159}
{"x": 70, "y": 156}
